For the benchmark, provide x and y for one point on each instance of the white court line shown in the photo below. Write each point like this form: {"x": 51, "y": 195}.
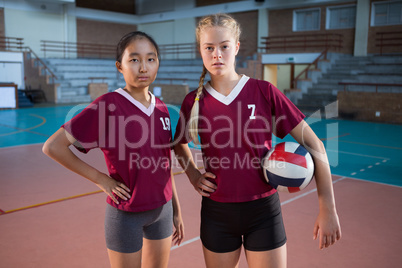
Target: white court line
{"x": 376, "y": 182}
{"x": 364, "y": 155}
{"x": 186, "y": 242}
{"x": 299, "y": 196}
{"x": 282, "y": 204}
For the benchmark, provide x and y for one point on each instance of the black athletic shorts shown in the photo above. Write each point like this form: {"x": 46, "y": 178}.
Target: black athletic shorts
{"x": 257, "y": 224}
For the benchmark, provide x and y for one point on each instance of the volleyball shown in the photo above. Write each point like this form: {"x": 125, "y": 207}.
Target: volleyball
{"x": 288, "y": 167}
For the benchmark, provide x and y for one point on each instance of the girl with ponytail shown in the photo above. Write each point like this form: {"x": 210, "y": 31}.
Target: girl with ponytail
{"x": 231, "y": 117}
{"x": 142, "y": 201}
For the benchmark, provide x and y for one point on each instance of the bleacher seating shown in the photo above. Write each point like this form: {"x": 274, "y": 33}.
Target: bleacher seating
{"x": 190, "y": 70}
{"x": 74, "y": 75}
{"x": 370, "y": 69}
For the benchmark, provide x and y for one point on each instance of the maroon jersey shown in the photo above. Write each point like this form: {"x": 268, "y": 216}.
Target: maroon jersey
{"x": 236, "y": 132}
{"x": 135, "y": 141}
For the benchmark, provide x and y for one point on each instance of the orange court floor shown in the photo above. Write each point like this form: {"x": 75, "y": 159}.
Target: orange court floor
{"x": 53, "y": 218}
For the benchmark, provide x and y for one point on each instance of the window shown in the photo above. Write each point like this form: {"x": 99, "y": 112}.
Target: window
{"x": 306, "y": 20}
{"x": 386, "y": 13}
{"x": 341, "y": 17}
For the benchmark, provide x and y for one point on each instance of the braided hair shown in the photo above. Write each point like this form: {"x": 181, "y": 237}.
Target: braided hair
{"x": 216, "y": 20}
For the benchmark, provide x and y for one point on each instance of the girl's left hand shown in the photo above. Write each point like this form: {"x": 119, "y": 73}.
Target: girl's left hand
{"x": 327, "y": 228}
{"x": 179, "y": 232}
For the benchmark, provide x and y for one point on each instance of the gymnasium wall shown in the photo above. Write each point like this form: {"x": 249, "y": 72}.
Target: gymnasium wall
{"x": 372, "y": 35}
{"x": 162, "y": 32}
{"x": 122, "y": 6}
{"x": 370, "y": 106}
{"x": 249, "y": 36}
{"x": 12, "y": 68}
{"x": 171, "y": 32}
{"x": 2, "y": 31}
{"x": 200, "y": 3}
{"x": 34, "y": 26}
{"x": 281, "y": 23}
{"x": 108, "y": 33}
{"x": 167, "y": 32}
{"x": 184, "y": 31}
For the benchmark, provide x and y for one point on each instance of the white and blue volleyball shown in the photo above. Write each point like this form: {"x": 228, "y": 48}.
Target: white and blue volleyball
{"x": 288, "y": 167}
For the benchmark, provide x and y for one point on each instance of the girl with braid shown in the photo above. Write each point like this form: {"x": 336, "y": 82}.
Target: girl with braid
{"x": 235, "y": 117}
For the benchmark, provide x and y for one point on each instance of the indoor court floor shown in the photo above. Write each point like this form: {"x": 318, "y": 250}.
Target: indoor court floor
{"x": 51, "y": 217}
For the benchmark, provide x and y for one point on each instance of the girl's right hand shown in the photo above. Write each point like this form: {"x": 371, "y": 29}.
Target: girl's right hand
{"x": 203, "y": 185}
{"x": 113, "y": 188}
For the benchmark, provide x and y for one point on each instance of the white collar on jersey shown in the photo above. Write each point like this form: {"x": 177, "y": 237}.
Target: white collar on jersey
{"x": 148, "y": 111}
{"x": 232, "y": 95}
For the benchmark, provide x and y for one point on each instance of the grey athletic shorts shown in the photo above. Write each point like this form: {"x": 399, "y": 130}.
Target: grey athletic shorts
{"x": 124, "y": 230}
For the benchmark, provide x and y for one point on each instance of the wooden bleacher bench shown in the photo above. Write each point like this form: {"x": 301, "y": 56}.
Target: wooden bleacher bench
{"x": 97, "y": 78}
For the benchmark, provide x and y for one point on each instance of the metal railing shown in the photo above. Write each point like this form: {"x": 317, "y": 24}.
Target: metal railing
{"x": 47, "y": 70}
{"x": 302, "y": 42}
{"x": 11, "y": 43}
{"x": 105, "y": 51}
{"x": 178, "y": 51}
{"x": 376, "y": 85}
{"x": 80, "y": 50}
{"x": 388, "y": 39}
{"x": 322, "y": 56}
{"x": 17, "y": 44}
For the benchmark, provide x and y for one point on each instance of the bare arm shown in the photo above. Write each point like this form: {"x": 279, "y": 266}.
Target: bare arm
{"x": 57, "y": 147}
{"x": 327, "y": 225}
{"x": 177, "y": 217}
{"x": 202, "y": 185}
